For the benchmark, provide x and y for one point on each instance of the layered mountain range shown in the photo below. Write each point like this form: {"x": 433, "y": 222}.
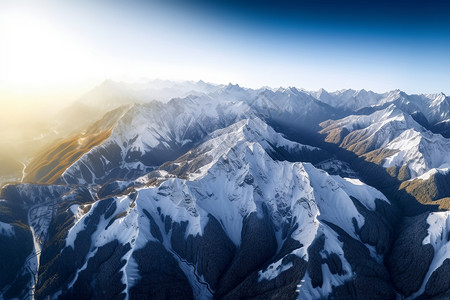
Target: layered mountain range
{"x": 227, "y": 192}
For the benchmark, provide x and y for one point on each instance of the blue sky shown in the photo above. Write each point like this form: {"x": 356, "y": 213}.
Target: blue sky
{"x": 377, "y": 45}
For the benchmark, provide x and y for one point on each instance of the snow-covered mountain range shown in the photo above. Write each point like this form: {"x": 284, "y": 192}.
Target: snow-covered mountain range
{"x": 392, "y": 138}
{"x": 229, "y": 192}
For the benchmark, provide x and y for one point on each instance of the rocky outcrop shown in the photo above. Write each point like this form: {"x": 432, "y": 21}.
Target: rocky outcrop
{"x": 65, "y": 261}
{"x": 102, "y": 278}
{"x": 257, "y": 233}
{"x": 282, "y": 286}
{"x": 409, "y": 259}
{"x": 378, "y": 228}
{"x": 161, "y": 277}
{"x": 372, "y": 280}
{"x": 211, "y": 253}
{"x": 15, "y": 247}
{"x": 439, "y": 283}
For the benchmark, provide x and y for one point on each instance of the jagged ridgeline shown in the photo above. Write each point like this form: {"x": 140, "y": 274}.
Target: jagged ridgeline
{"x": 230, "y": 193}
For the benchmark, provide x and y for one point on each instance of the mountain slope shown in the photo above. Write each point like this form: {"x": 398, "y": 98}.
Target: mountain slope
{"x": 395, "y": 141}
{"x": 206, "y": 227}
{"x": 434, "y": 107}
{"x": 52, "y": 163}
{"x": 203, "y": 197}
{"x": 349, "y": 100}
{"x": 391, "y": 138}
{"x": 423, "y": 240}
{"x": 147, "y": 135}
{"x": 112, "y": 94}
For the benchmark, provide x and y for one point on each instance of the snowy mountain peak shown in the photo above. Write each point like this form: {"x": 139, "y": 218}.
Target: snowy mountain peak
{"x": 348, "y": 99}
{"x": 206, "y": 195}
{"x": 395, "y": 138}
{"x": 232, "y": 88}
{"x": 293, "y": 90}
{"x": 245, "y": 134}
{"x": 420, "y": 151}
{"x": 438, "y": 99}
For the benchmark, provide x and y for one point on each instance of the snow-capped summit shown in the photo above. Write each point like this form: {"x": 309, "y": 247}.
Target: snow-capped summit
{"x": 242, "y": 203}
{"x": 429, "y": 109}
{"x": 196, "y": 162}
{"x": 150, "y": 134}
{"x": 420, "y": 151}
{"x": 153, "y": 132}
{"x": 393, "y": 138}
{"x": 217, "y": 193}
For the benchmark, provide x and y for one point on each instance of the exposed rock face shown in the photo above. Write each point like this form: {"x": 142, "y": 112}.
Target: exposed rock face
{"x": 102, "y": 276}
{"x": 257, "y": 233}
{"x": 200, "y": 198}
{"x": 409, "y": 259}
{"x": 16, "y": 245}
{"x": 161, "y": 277}
{"x": 315, "y": 261}
{"x": 212, "y": 252}
{"x": 59, "y": 259}
{"x": 378, "y": 229}
{"x": 373, "y": 280}
{"x": 439, "y": 283}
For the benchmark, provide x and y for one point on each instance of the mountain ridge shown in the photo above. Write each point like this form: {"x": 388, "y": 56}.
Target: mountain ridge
{"x": 236, "y": 193}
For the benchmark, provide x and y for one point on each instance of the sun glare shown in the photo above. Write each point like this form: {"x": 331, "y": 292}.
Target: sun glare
{"x": 38, "y": 55}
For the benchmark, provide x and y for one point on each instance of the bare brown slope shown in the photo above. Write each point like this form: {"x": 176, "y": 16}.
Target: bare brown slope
{"x": 49, "y": 165}
{"x": 434, "y": 190}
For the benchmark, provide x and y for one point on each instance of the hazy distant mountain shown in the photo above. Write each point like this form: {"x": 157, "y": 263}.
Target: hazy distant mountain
{"x": 230, "y": 192}
{"x": 113, "y": 94}
{"x": 351, "y": 100}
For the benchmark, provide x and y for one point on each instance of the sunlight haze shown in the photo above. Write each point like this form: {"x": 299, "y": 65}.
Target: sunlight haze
{"x": 58, "y": 50}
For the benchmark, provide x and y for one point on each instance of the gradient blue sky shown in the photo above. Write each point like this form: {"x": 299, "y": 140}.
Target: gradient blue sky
{"x": 377, "y": 45}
